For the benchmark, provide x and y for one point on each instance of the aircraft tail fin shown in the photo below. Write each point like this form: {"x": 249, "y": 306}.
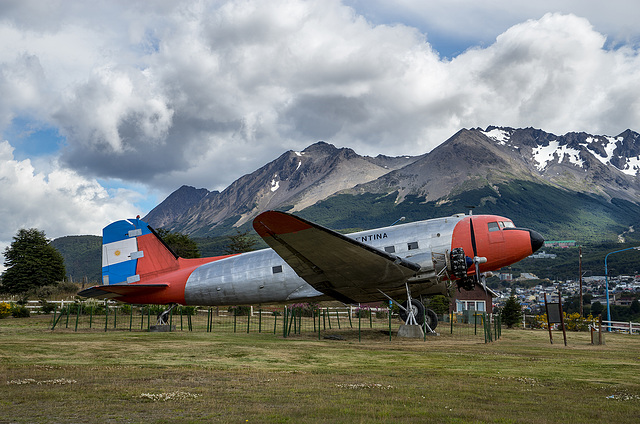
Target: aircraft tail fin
{"x": 133, "y": 252}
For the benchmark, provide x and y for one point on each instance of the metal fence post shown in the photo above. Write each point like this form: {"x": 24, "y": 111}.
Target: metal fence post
{"x": 78, "y": 315}
{"x": 275, "y": 322}
{"x": 235, "y": 318}
{"x": 284, "y": 321}
{"x": 389, "y": 316}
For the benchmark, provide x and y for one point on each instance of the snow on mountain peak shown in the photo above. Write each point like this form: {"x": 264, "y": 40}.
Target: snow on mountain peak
{"x": 545, "y": 154}
{"x": 501, "y": 136}
{"x": 631, "y": 164}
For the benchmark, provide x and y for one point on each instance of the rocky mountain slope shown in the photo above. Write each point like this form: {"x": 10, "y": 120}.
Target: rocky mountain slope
{"x": 574, "y": 181}
{"x": 475, "y": 158}
{"x": 293, "y": 181}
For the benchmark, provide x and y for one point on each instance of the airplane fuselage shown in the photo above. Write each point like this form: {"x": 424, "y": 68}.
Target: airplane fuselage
{"x": 263, "y": 276}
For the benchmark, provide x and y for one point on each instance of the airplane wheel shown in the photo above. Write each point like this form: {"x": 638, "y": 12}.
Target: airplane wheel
{"x": 418, "y": 311}
{"x": 432, "y": 319}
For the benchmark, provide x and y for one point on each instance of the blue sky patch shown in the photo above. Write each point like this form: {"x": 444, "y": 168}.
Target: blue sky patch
{"x": 33, "y": 138}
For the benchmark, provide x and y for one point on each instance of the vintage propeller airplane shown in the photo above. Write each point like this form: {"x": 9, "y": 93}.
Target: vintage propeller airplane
{"x": 309, "y": 262}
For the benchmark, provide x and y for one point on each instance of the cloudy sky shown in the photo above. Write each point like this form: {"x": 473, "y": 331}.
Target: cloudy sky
{"x": 106, "y": 107}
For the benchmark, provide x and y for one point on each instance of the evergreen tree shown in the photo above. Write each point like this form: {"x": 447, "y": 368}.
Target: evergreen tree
{"x": 440, "y": 304}
{"x": 239, "y": 242}
{"x": 31, "y": 262}
{"x": 180, "y": 243}
{"x": 596, "y": 308}
{"x": 512, "y": 312}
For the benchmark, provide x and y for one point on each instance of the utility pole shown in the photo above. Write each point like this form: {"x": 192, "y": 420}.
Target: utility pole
{"x": 580, "y": 272}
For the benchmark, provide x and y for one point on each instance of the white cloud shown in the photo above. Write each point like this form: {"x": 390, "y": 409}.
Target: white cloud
{"x": 554, "y": 74}
{"x": 59, "y": 202}
{"x": 460, "y": 24}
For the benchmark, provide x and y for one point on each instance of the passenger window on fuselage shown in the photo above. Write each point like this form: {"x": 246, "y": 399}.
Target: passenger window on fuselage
{"x": 390, "y": 249}
{"x": 413, "y": 245}
{"x": 277, "y": 269}
{"x": 493, "y": 226}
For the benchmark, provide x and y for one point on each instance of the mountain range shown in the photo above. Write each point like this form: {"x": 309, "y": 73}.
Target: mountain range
{"x": 576, "y": 186}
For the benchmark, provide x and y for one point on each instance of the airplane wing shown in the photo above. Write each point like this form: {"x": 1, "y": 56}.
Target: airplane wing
{"x": 110, "y": 291}
{"x": 330, "y": 262}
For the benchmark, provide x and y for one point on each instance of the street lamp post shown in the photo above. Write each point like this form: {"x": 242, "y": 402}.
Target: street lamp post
{"x": 606, "y": 280}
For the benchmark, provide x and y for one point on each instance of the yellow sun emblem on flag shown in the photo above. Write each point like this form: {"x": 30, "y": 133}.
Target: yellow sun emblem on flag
{"x": 117, "y": 253}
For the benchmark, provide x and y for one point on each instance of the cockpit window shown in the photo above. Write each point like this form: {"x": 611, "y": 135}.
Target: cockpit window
{"x": 493, "y": 226}
{"x": 507, "y": 224}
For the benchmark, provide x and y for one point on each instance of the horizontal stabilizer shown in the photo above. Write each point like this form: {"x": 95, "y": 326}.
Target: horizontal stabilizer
{"x": 118, "y": 290}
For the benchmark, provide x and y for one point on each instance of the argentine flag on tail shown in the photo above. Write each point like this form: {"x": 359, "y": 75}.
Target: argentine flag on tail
{"x": 120, "y": 251}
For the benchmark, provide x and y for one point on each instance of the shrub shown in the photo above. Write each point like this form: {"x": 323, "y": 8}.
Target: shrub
{"x": 382, "y": 313}
{"x": 152, "y": 309}
{"x": 93, "y": 309}
{"x": 20, "y": 311}
{"x": 46, "y": 307}
{"x": 45, "y": 292}
{"x": 574, "y": 322}
{"x": 186, "y": 310}
{"x": 239, "y": 311}
{"x": 5, "y": 309}
{"x": 306, "y": 309}
{"x": 537, "y": 321}
{"x": 363, "y": 312}
{"x": 66, "y": 287}
{"x": 74, "y": 307}
{"x": 440, "y": 304}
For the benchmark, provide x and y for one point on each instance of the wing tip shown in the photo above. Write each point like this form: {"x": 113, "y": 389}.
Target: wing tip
{"x": 274, "y": 222}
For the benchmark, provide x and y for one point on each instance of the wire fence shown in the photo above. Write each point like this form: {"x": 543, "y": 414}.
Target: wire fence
{"x": 283, "y": 320}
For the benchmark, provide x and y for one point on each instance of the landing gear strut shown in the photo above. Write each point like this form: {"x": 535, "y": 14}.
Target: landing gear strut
{"x": 163, "y": 317}
{"x": 413, "y": 312}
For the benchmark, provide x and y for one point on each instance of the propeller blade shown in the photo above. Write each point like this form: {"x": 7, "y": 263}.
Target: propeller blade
{"x": 475, "y": 250}
{"x": 473, "y": 238}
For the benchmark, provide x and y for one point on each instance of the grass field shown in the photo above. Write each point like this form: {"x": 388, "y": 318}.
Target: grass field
{"x": 199, "y": 377}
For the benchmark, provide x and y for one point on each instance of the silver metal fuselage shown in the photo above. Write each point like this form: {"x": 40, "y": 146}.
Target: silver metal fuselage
{"x": 263, "y": 277}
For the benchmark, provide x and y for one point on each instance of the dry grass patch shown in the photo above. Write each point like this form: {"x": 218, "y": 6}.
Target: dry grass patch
{"x": 209, "y": 377}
